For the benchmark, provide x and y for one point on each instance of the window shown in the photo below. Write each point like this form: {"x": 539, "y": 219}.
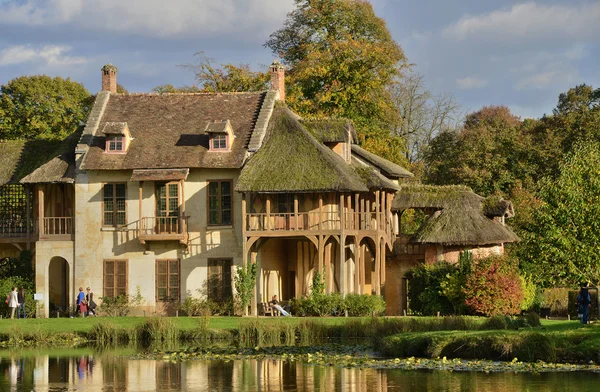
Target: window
{"x": 115, "y": 278}
{"x": 219, "y": 280}
{"x": 219, "y": 203}
{"x": 218, "y": 142}
{"x": 114, "y": 143}
{"x": 167, "y": 280}
{"x": 114, "y": 206}
{"x": 167, "y": 199}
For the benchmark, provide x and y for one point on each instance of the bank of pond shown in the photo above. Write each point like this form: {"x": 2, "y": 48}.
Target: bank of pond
{"x": 514, "y": 340}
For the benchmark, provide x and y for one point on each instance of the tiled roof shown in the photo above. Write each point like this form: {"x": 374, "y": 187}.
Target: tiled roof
{"x": 169, "y": 130}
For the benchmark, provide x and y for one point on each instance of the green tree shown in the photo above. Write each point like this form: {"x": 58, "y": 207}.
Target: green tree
{"x": 342, "y": 61}
{"x": 560, "y": 246}
{"x": 170, "y": 89}
{"x": 245, "y": 282}
{"x": 41, "y": 107}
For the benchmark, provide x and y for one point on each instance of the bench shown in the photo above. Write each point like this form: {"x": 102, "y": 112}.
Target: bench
{"x": 265, "y": 309}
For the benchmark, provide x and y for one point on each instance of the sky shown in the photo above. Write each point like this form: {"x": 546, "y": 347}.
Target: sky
{"x": 484, "y": 52}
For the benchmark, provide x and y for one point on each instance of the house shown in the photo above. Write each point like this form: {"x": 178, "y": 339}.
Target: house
{"x": 165, "y": 195}
{"x": 453, "y": 219}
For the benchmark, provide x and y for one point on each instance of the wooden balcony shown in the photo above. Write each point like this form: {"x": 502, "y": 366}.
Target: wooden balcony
{"x": 279, "y": 223}
{"x": 16, "y": 231}
{"x": 57, "y": 229}
{"x": 164, "y": 228}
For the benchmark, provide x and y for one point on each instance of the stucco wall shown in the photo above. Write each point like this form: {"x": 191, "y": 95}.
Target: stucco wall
{"x": 94, "y": 244}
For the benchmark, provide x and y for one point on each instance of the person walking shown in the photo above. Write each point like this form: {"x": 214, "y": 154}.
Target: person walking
{"x": 584, "y": 302}
{"x": 89, "y": 299}
{"x": 13, "y": 302}
{"x": 80, "y": 302}
{"x": 21, "y": 299}
{"x": 275, "y": 304}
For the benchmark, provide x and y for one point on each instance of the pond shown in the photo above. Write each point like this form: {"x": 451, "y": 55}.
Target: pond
{"x": 92, "y": 370}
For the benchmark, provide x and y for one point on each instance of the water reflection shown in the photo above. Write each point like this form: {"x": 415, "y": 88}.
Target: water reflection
{"x": 89, "y": 371}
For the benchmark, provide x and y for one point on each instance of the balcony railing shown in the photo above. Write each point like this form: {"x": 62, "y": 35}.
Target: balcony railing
{"x": 163, "y": 228}
{"x": 16, "y": 229}
{"x": 56, "y": 228}
{"x": 313, "y": 221}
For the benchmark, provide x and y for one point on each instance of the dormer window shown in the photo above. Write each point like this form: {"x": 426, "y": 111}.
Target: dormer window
{"x": 117, "y": 137}
{"x": 114, "y": 143}
{"x": 218, "y": 142}
{"x": 221, "y": 135}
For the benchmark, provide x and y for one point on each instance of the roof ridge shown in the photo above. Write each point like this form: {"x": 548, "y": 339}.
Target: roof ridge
{"x": 154, "y": 94}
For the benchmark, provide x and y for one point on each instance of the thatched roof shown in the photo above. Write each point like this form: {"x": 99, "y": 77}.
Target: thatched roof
{"x": 50, "y": 162}
{"x": 495, "y": 206}
{"x": 372, "y": 178}
{"x": 389, "y": 169}
{"x": 459, "y": 219}
{"x": 292, "y": 160}
{"x": 331, "y": 130}
{"x": 10, "y": 155}
{"x": 38, "y": 161}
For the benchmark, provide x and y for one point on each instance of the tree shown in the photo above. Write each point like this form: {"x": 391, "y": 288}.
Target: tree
{"x": 170, "y": 89}
{"x": 421, "y": 114}
{"x": 489, "y": 154}
{"x": 227, "y": 78}
{"x": 245, "y": 282}
{"x": 42, "y": 107}
{"x": 560, "y": 246}
{"x": 342, "y": 61}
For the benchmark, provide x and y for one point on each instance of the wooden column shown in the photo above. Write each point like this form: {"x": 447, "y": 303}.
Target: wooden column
{"x": 363, "y": 268}
{"x": 382, "y": 264}
{"x": 320, "y": 211}
{"x": 356, "y": 209}
{"x": 349, "y": 215}
{"x": 357, "y": 266}
{"x": 342, "y": 257}
{"x": 361, "y": 213}
{"x": 41, "y": 203}
{"x": 182, "y": 185}
{"x": 375, "y": 276}
{"x": 328, "y": 280}
{"x": 141, "y": 186}
{"x": 244, "y": 217}
{"x": 256, "y": 295}
{"x": 28, "y": 217}
{"x": 321, "y": 255}
{"x": 268, "y": 211}
{"x": 296, "y": 210}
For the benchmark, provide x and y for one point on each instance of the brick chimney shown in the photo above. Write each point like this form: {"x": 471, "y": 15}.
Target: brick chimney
{"x": 109, "y": 78}
{"x": 278, "y": 79}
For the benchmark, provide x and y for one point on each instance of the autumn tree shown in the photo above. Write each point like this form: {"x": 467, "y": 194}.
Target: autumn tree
{"x": 489, "y": 154}
{"x": 170, "y": 89}
{"x": 227, "y": 77}
{"x": 42, "y": 107}
{"x": 342, "y": 60}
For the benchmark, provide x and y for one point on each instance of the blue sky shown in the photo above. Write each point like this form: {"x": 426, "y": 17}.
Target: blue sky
{"x": 514, "y": 53}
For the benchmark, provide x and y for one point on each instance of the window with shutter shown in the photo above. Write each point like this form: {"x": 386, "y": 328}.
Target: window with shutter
{"x": 115, "y": 278}
{"x": 167, "y": 280}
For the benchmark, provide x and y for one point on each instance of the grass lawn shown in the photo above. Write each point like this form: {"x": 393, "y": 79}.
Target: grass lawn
{"x": 79, "y": 324}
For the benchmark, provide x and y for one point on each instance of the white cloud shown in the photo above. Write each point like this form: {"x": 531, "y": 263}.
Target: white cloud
{"x": 50, "y": 55}
{"x": 470, "y": 82}
{"x": 154, "y": 18}
{"x": 530, "y": 20}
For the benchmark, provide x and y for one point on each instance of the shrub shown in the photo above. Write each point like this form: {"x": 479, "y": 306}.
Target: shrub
{"x": 493, "y": 287}
{"x": 529, "y": 292}
{"x": 318, "y": 305}
{"x": 120, "y": 305}
{"x": 364, "y": 305}
{"x": 426, "y": 286}
{"x": 194, "y": 307}
{"x": 557, "y": 299}
{"x": 244, "y": 282}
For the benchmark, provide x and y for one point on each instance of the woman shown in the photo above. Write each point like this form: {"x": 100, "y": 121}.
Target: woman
{"x": 89, "y": 299}
{"x": 584, "y": 301}
{"x": 21, "y": 299}
{"x": 13, "y": 302}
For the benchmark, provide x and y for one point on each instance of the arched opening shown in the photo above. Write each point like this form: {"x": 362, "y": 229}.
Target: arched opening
{"x": 58, "y": 284}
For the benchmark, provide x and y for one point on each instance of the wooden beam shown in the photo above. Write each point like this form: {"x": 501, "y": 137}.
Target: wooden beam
{"x": 320, "y": 211}
{"x": 244, "y": 224}
{"x": 41, "y": 210}
{"x": 141, "y": 192}
{"x": 268, "y": 211}
{"x": 295, "y": 211}
{"x": 182, "y": 186}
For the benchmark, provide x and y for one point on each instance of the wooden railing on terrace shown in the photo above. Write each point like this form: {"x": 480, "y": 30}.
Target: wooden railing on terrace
{"x": 12, "y": 229}
{"x": 313, "y": 221}
{"x": 57, "y": 228}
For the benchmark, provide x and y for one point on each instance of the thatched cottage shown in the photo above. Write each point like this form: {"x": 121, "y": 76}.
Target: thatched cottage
{"x": 168, "y": 194}
{"x": 454, "y": 220}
